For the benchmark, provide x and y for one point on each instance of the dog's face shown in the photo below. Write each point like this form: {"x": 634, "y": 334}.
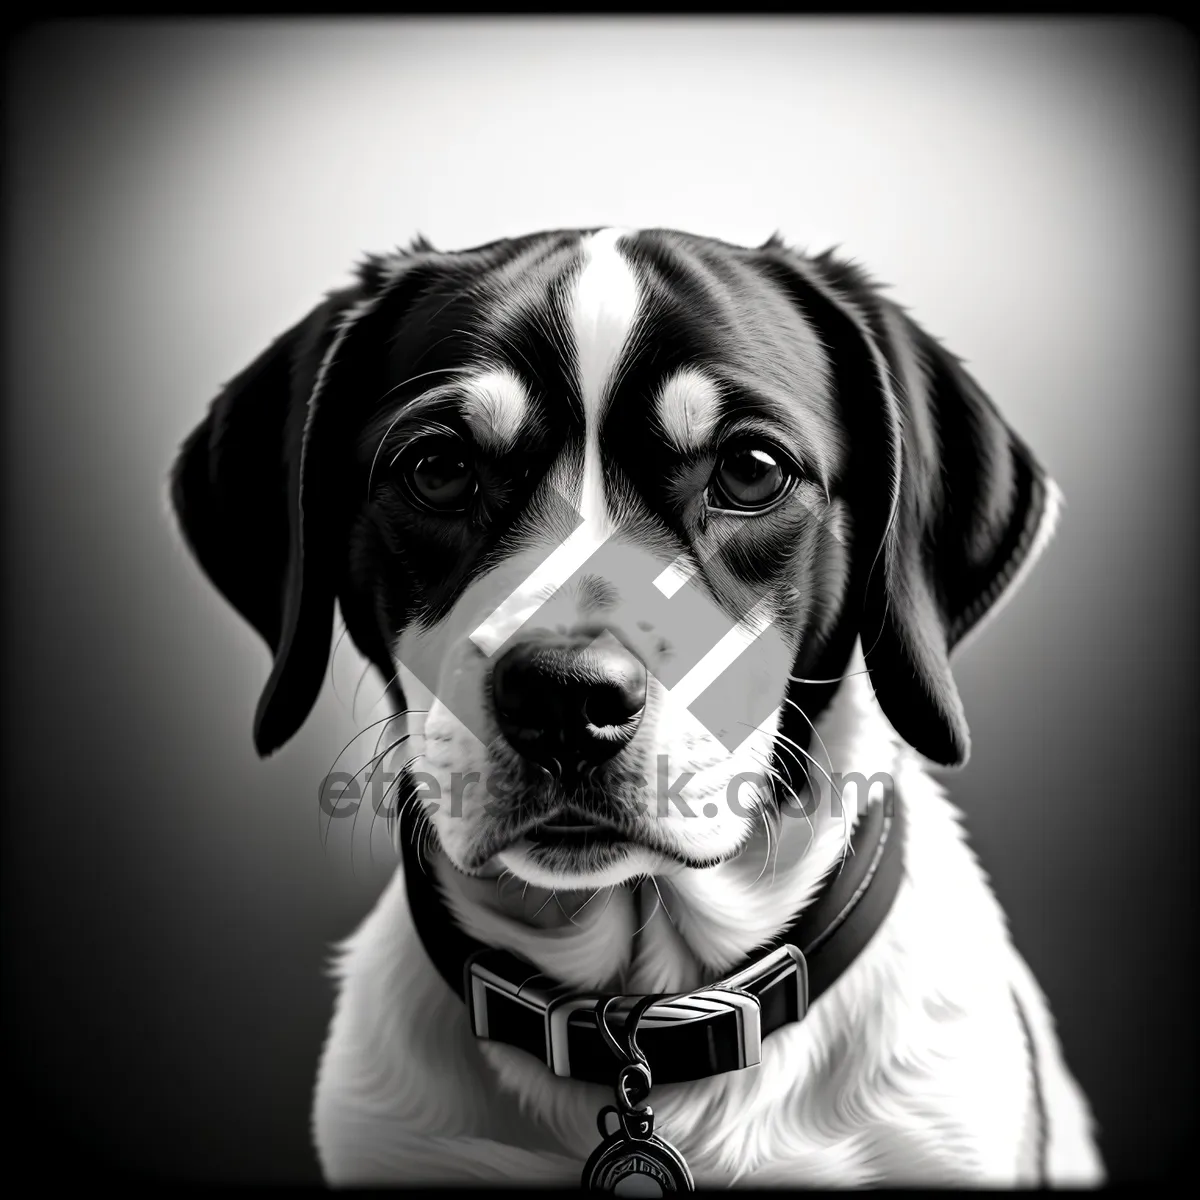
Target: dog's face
{"x": 611, "y": 510}
{"x": 601, "y": 412}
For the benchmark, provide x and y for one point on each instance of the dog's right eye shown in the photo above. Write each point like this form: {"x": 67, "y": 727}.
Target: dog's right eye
{"x": 439, "y": 474}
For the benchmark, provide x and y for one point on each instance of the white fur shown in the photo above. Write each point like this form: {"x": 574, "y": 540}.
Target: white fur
{"x": 605, "y": 302}
{"x": 604, "y": 307}
{"x": 495, "y": 407}
{"x": 688, "y": 408}
{"x": 911, "y": 1069}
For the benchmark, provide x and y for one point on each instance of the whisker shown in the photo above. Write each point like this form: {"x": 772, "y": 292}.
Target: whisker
{"x": 784, "y": 783}
{"x": 400, "y": 776}
{"x": 836, "y": 679}
{"x": 366, "y": 728}
{"x": 654, "y": 884}
{"x": 833, "y": 791}
{"x": 799, "y": 763}
{"x": 588, "y": 901}
{"x": 563, "y": 910}
{"x": 787, "y": 741}
{"x": 650, "y": 917}
{"x": 607, "y": 902}
{"x": 816, "y": 731}
{"x": 374, "y": 759}
{"x": 767, "y": 856}
{"x": 777, "y": 777}
{"x": 379, "y": 760}
{"x": 393, "y": 820}
{"x": 780, "y": 737}
{"x": 423, "y": 836}
{"x": 812, "y": 829}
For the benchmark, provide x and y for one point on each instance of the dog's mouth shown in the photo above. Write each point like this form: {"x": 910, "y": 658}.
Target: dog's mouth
{"x": 570, "y": 841}
{"x": 565, "y": 835}
{"x": 572, "y": 831}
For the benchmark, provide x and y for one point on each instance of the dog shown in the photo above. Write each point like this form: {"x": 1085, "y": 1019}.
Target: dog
{"x": 659, "y": 544}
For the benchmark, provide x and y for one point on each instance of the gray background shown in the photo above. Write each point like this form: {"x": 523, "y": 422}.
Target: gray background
{"x": 178, "y": 194}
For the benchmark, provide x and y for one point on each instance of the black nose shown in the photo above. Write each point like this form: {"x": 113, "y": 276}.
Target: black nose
{"x": 569, "y": 703}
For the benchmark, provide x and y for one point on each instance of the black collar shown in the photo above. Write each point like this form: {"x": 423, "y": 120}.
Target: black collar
{"x": 684, "y": 1036}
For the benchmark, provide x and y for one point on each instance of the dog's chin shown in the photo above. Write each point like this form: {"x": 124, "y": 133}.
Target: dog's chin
{"x": 561, "y": 854}
{"x": 603, "y": 860}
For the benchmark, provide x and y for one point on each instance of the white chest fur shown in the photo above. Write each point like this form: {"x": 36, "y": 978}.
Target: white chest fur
{"x": 913, "y": 1068}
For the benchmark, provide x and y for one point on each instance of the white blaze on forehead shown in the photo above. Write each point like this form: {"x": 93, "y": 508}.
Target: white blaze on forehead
{"x": 603, "y": 304}
{"x": 495, "y": 407}
{"x": 689, "y": 404}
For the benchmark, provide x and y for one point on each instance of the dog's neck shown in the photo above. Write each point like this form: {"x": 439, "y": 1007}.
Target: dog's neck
{"x": 686, "y": 926}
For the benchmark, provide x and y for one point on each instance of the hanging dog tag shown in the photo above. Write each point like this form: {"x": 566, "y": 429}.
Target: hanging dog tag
{"x": 632, "y": 1161}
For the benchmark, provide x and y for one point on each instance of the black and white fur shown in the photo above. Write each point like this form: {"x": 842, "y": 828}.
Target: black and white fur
{"x": 608, "y": 368}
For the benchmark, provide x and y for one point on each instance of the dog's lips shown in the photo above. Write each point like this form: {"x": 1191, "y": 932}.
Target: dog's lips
{"x": 567, "y": 830}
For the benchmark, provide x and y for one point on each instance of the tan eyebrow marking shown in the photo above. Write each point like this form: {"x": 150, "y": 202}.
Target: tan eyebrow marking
{"x": 495, "y": 408}
{"x": 688, "y": 408}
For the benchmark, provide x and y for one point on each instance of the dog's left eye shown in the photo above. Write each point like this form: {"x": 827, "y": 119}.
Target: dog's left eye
{"x": 440, "y": 474}
{"x": 750, "y": 476}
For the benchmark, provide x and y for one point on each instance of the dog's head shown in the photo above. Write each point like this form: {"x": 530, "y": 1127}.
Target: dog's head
{"x": 611, "y": 511}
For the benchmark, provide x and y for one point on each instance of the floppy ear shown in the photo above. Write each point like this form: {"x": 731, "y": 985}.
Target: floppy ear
{"x": 237, "y": 488}
{"x": 968, "y": 506}
{"x": 975, "y": 510}
{"x": 262, "y": 491}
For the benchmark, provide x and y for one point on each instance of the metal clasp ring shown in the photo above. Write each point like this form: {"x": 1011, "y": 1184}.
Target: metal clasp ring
{"x": 634, "y": 1080}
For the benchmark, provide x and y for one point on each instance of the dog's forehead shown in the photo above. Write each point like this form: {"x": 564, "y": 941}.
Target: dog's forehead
{"x": 714, "y": 337}
{"x": 617, "y": 327}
